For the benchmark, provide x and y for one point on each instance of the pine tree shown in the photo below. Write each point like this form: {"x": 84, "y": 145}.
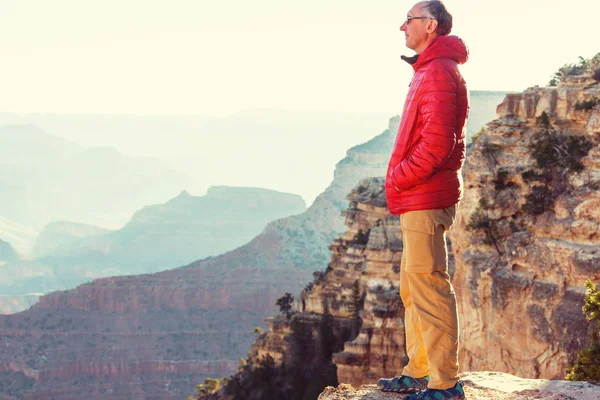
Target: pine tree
{"x": 587, "y": 366}
{"x": 285, "y": 304}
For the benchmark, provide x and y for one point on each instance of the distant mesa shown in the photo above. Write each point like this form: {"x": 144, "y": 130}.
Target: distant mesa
{"x": 158, "y": 237}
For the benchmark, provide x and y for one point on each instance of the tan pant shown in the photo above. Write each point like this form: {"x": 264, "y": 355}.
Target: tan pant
{"x": 431, "y": 319}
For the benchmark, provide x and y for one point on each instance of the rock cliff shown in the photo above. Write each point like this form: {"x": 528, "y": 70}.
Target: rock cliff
{"x": 372, "y": 246}
{"x": 520, "y": 257}
{"x": 485, "y": 386}
{"x": 145, "y": 337}
{"x": 528, "y": 231}
{"x": 357, "y": 292}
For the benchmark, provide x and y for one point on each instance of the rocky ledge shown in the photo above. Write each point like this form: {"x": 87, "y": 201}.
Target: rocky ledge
{"x": 484, "y": 386}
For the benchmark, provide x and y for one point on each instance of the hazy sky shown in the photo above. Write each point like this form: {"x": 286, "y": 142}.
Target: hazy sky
{"x": 217, "y": 57}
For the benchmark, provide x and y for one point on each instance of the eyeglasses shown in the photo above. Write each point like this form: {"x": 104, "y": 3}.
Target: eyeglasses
{"x": 409, "y": 18}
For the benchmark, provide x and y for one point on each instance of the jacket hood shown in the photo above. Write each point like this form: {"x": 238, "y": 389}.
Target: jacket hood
{"x": 444, "y": 47}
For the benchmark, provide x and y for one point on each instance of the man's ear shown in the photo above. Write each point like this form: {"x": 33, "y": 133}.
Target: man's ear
{"x": 432, "y": 25}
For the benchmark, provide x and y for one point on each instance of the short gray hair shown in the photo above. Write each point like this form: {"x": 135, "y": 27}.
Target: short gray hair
{"x": 437, "y": 10}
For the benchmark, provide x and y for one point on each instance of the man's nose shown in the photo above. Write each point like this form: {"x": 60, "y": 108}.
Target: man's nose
{"x": 403, "y": 26}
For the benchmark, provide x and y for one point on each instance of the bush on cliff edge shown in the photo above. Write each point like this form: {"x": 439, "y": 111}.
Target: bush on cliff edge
{"x": 587, "y": 366}
{"x": 557, "y": 155}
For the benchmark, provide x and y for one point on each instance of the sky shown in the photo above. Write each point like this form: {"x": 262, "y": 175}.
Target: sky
{"x": 216, "y": 58}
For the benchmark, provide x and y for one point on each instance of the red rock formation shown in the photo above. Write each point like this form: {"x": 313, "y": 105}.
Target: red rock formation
{"x": 137, "y": 337}
{"x": 520, "y": 300}
{"x": 520, "y": 310}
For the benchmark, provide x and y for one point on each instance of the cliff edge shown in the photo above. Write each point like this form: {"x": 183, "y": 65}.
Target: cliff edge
{"x": 484, "y": 386}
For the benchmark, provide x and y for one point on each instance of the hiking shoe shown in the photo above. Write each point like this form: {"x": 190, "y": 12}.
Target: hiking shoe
{"x": 403, "y": 384}
{"x": 454, "y": 393}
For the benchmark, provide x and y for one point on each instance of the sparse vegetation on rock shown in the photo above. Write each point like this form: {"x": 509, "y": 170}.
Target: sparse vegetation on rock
{"x": 581, "y": 67}
{"x": 587, "y": 105}
{"x": 481, "y": 220}
{"x": 285, "y": 304}
{"x": 587, "y": 366}
{"x": 538, "y": 201}
{"x": 490, "y": 151}
{"x": 210, "y": 386}
{"x": 556, "y": 155}
{"x": 361, "y": 238}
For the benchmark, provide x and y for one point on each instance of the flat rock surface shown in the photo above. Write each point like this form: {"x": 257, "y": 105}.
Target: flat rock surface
{"x": 484, "y": 386}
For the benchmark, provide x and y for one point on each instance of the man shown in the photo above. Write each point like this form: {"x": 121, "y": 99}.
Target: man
{"x": 424, "y": 185}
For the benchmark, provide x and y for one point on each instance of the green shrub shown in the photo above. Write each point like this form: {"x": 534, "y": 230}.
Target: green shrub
{"x": 501, "y": 181}
{"x": 361, "y": 238}
{"x": 555, "y": 150}
{"x": 490, "y": 150}
{"x": 556, "y": 155}
{"x": 210, "y": 386}
{"x": 539, "y": 201}
{"x": 574, "y": 69}
{"x": 587, "y": 366}
{"x": 586, "y": 105}
{"x": 532, "y": 176}
{"x": 285, "y": 304}
{"x": 480, "y": 221}
{"x": 578, "y": 69}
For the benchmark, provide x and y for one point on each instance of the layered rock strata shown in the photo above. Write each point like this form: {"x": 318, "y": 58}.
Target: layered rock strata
{"x": 520, "y": 282}
{"x": 358, "y": 291}
{"x": 146, "y": 337}
{"x": 378, "y": 350}
{"x": 520, "y": 295}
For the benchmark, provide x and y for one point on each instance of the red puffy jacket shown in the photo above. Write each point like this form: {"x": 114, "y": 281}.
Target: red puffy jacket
{"x": 424, "y": 172}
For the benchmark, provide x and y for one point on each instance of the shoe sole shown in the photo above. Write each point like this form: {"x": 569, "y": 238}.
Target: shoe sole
{"x": 448, "y": 398}
{"x": 402, "y": 391}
